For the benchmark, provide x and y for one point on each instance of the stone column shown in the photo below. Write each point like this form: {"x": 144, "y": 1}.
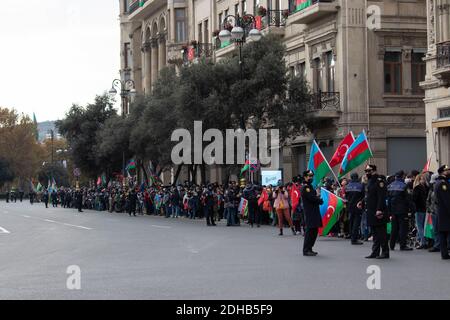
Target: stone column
{"x": 154, "y": 59}
{"x": 147, "y": 68}
{"x": 445, "y": 20}
{"x": 406, "y": 71}
{"x": 162, "y": 51}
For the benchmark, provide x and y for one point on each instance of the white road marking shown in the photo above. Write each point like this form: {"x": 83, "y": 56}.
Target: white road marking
{"x": 162, "y": 227}
{"x": 26, "y": 216}
{"x": 75, "y": 226}
{"x": 52, "y": 221}
{"x": 3, "y": 230}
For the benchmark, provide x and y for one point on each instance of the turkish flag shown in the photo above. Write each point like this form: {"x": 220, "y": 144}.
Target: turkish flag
{"x": 342, "y": 149}
{"x": 258, "y": 22}
{"x": 295, "y": 196}
{"x": 191, "y": 53}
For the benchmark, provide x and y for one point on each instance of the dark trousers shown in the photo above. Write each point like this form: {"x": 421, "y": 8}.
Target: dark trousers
{"x": 443, "y": 235}
{"x": 253, "y": 214}
{"x": 209, "y": 215}
{"x": 400, "y": 226}
{"x": 380, "y": 241}
{"x": 310, "y": 239}
{"x": 355, "y": 224}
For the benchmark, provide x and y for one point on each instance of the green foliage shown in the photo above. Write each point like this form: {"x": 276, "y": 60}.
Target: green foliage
{"x": 55, "y": 171}
{"x": 6, "y": 174}
{"x": 81, "y": 127}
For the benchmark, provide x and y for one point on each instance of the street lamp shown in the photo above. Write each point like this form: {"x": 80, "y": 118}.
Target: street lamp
{"x": 127, "y": 92}
{"x": 239, "y": 35}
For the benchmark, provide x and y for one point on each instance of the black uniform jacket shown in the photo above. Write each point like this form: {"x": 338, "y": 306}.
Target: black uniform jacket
{"x": 311, "y": 203}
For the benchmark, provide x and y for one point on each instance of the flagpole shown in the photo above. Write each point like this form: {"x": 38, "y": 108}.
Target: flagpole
{"x": 368, "y": 144}
{"x": 326, "y": 161}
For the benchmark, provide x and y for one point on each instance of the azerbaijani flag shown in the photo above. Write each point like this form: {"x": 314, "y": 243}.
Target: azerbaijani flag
{"x": 428, "y": 230}
{"x": 318, "y": 164}
{"x": 252, "y": 165}
{"x": 243, "y": 207}
{"x": 302, "y": 4}
{"x": 131, "y": 165}
{"x": 342, "y": 150}
{"x": 329, "y": 210}
{"x": 39, "y": 187}
{"x": 357, "y": 154}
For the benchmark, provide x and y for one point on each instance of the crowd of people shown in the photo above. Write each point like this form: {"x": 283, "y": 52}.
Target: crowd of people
{"x": 371, "y": 202}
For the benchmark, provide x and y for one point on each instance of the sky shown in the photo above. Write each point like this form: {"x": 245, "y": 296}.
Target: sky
{"x": 54, "y": 53}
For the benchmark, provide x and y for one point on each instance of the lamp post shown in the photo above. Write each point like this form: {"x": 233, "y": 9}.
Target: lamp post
{"x": 127, "y": 90}
{"x": 239, "y": 35}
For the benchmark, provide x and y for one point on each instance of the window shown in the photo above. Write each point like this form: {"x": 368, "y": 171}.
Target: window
{"x": 244, "y": 7}
{"x": 300, "y": 70}
{"x": 125, "y": 6}
{"x": 127, "y": 55}
{"x": 226, "y": 13}
{"x": 220, "y": 21}
{"x": 330, "y": 71}
{"x": 393, "y": 72}
{"x": 199, "y": 33}
{"x": 236, "y": 9}
{"x": 292, "y": 71}
{"x": 180, "y": 25}
{"x": 317, "y": 75}
{"x": 418, "y": 70}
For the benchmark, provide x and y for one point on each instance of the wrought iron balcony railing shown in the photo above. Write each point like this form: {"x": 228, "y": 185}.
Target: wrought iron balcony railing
{"x": 277, "y": 18}
{"x": 199, "y": 50}
{"x": 443, "y": 55}
{"x": 328, "y": 101}
{"x": 135, "y": 4}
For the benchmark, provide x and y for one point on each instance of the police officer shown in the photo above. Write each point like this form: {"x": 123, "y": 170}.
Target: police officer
{"x": 7, "y": 196}
{"x": 377, "y": 216}
{"x": 45, "y": 198}
{"x": 354, "y": 194}
{"x": 21, "y": 194}
{"x": 313, "y": 219}
{"x": 442, "y": 191}
{"x": 399, "y": 203}
{"x": 79, "y": 200}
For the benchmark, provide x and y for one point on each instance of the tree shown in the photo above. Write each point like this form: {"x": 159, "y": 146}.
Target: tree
{"x": 18, "y": 145}
{"x": 80, "y": 127}
{"x": 6, "y": 174}
{"x": 56, "y": 171}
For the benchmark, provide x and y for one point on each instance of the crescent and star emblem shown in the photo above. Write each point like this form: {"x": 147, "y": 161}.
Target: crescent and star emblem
{"x": 328, "y": 213}
{"x": 343, "y": 149}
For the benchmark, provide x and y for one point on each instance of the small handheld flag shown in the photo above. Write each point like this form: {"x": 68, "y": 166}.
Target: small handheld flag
{"x": 428, "y": 230}
{"x": 318, "y": 164}
{"x": 342, "y": 149}
{"x": 329, "y": 210}
{"x": 243, "y": 207}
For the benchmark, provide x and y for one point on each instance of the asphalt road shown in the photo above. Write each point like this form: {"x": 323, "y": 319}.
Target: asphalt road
{"x": 122, "y": 257}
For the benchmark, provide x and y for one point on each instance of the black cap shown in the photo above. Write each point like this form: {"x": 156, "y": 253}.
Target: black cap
{"x": 443, "y": 168}
{"x": 400, "y": 174}
{"x": 371, "y": 167}
{"x": 354, "y": 176}
{"x": 308, "y": 173}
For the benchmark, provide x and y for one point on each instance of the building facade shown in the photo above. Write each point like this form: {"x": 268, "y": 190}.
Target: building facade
{"x": 364, "y": 61}
{"x": 437, "y": 82}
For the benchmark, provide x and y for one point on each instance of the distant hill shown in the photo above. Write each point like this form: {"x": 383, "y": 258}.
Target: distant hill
{"x": 44, "y": 129}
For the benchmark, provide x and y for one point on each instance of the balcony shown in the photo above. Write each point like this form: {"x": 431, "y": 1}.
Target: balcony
{"x": 141, "y": 9}
{"x": 325, "y": 105}
{"x": 313, "y": 10}
{"x": 196, "y": 52}
{"x": 442, "y": 61}
{"x": 134, "y": 5}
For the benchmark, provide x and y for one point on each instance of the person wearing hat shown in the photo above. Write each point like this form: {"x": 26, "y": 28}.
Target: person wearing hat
{"x": 442, "y": 191}
{"x": 354, "y": 194}
{"x": 399, "y": 205}
{"x": 313, "y": 219}
{"x": 377, "y": 215}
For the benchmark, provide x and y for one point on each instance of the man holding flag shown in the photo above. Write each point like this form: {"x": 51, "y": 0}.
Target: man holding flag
{"x": 313, "y": 218}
